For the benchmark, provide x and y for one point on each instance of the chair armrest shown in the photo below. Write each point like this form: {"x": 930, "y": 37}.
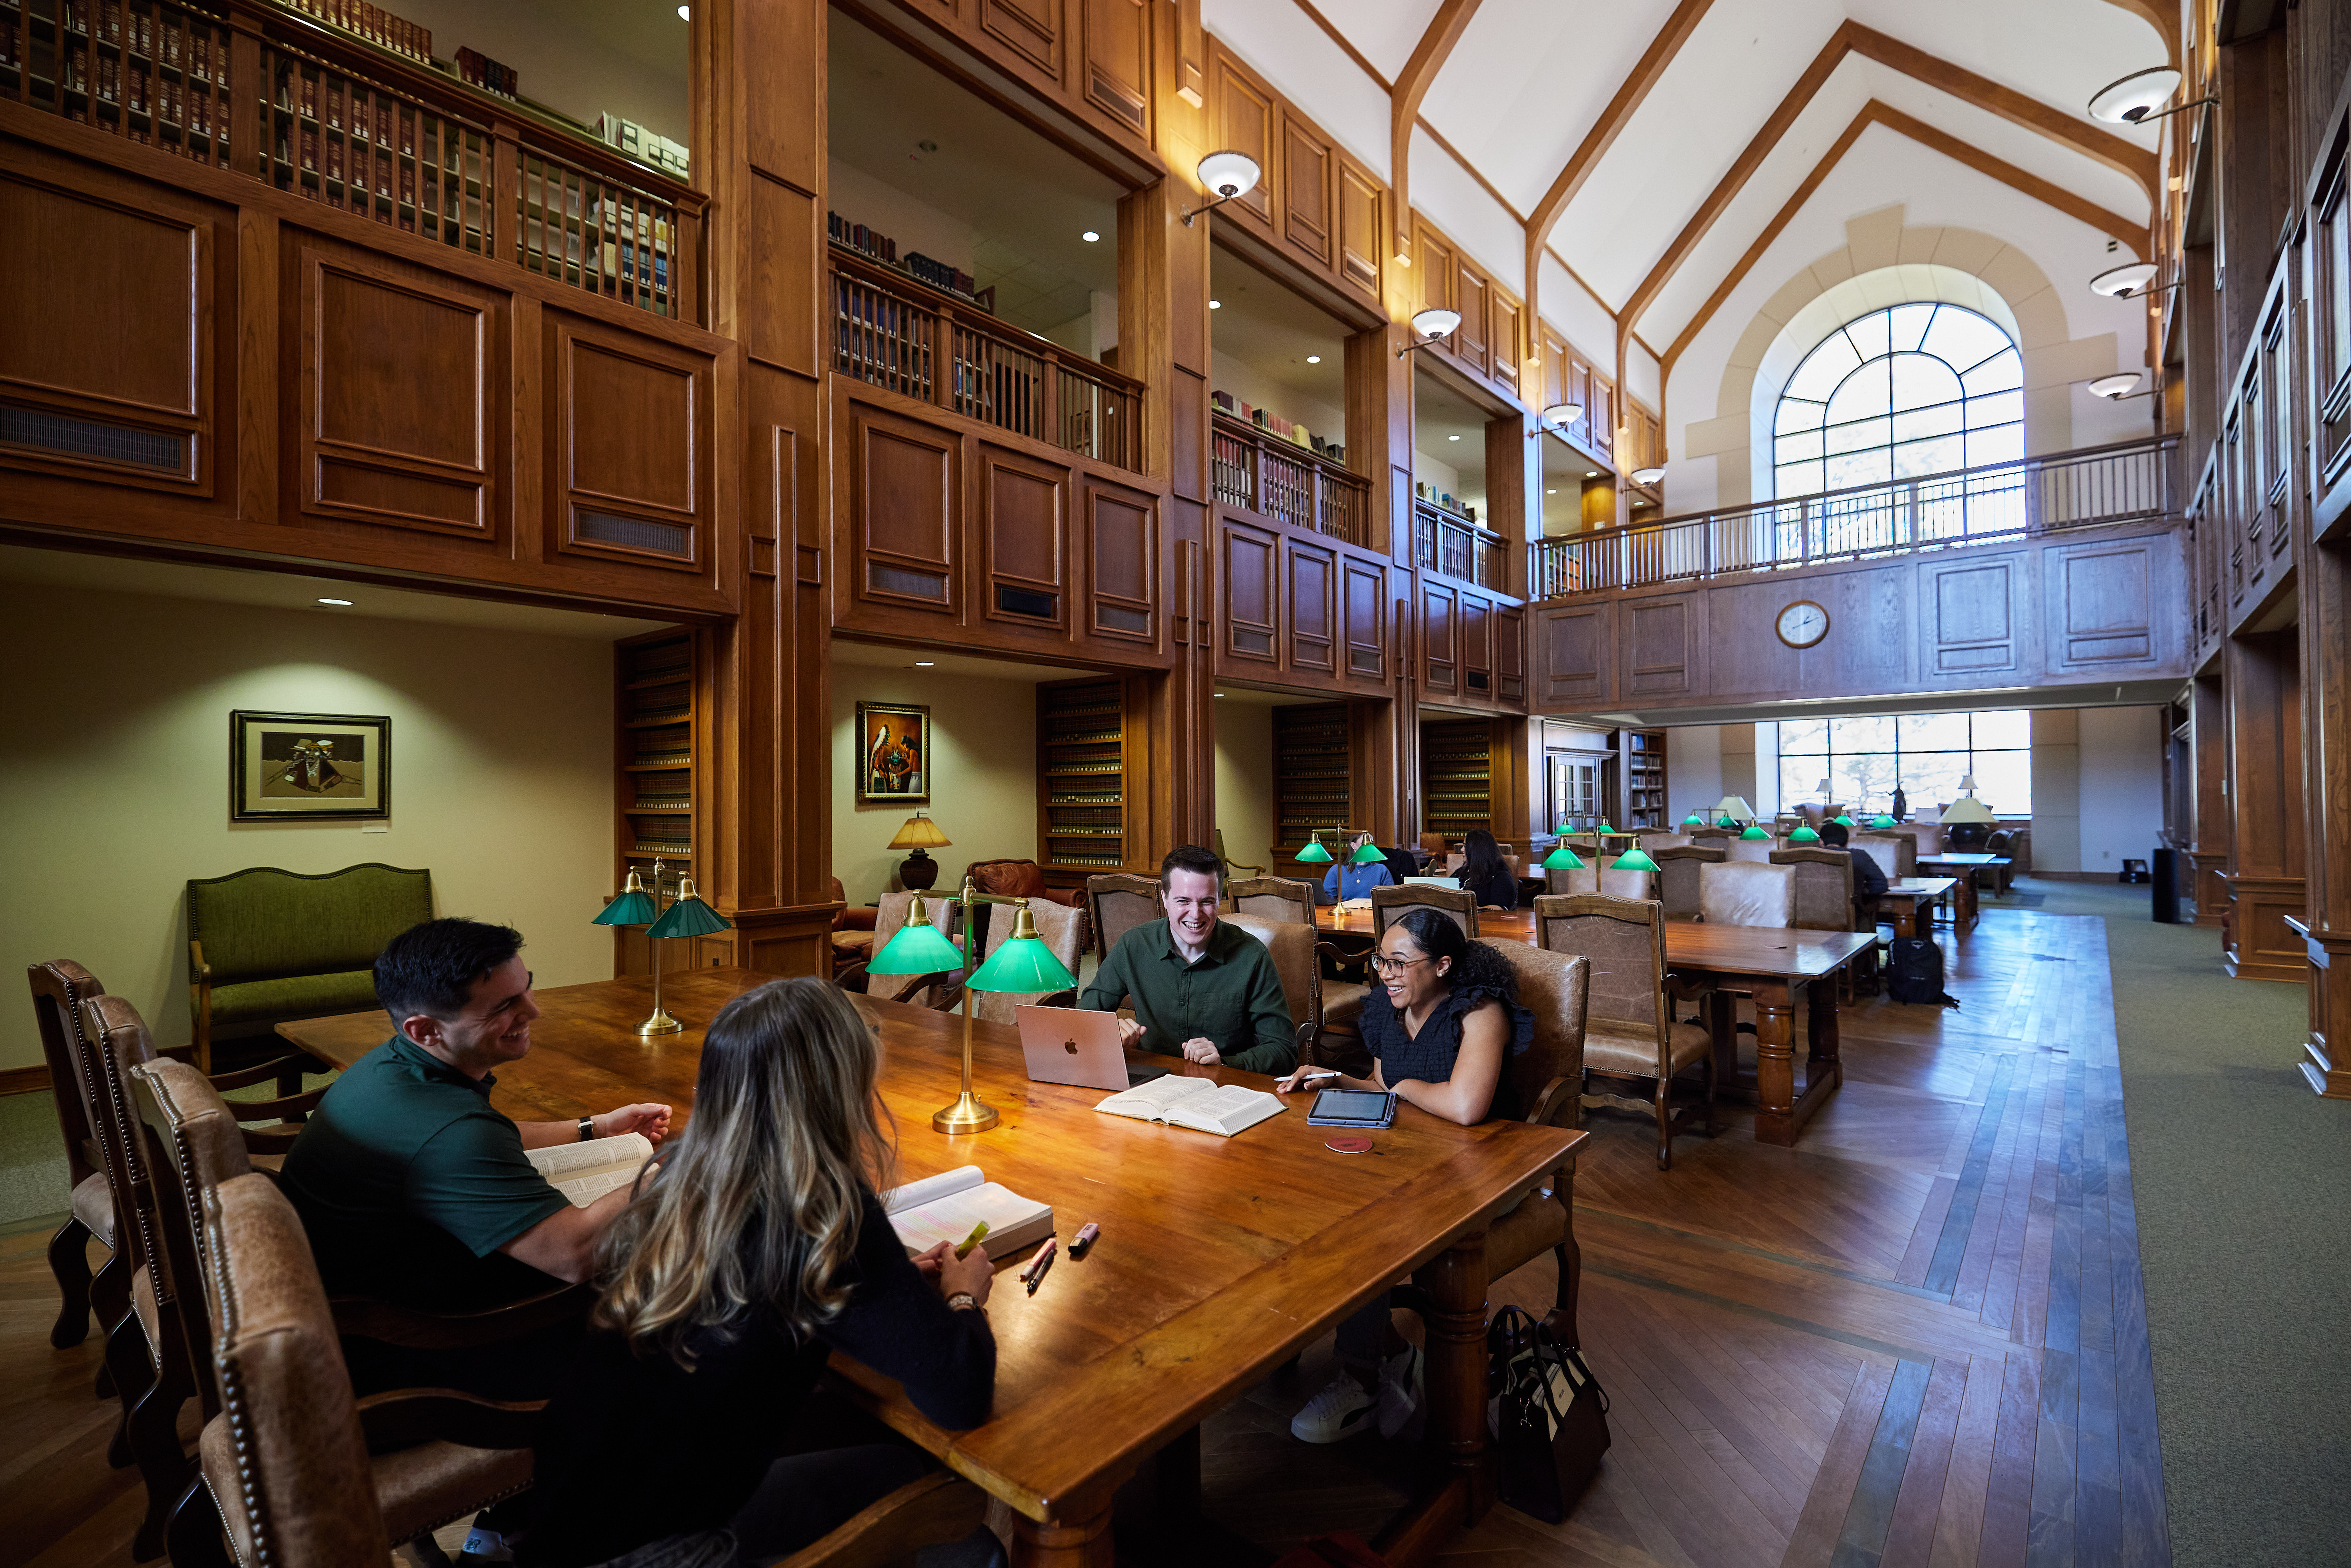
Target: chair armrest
{"x": 294, "y": 1061}
{"x": 1691, "y": 987}
{"x": 371, "y": 1317}
{"x": 855, "y": 978}
{"x": 1068, "y": 998}
{"x": 286, "y": 1108}
{"x": 932, "y": 1510}
{"x": 405, "y": 1417}
{"x": 1561, "y": 1104}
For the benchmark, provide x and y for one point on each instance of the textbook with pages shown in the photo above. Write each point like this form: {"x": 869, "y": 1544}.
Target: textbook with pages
{"x": 586, "y": 1172}
{"x": 1202, "y": 1104}
{"x": 945, "y": 1207}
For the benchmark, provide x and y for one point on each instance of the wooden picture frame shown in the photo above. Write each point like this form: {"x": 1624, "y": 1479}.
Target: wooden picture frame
{"x": 308, "y": 767}
{"x": 894, "y": 753}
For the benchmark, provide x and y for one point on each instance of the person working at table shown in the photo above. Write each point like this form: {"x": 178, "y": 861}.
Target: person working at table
{"x": 688, "y": 1434}
{"x": 1202, "y": 990}
{"x": 1868, "y": 876}
{"x": 1485, "y": 872}
{"x": 1346, "y": 880}
{"x": 1440, "y": 1024}
{"x": 414, "y": 1188}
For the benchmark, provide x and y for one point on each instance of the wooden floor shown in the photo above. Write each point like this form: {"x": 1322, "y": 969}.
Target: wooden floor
{"x": 1918, "y": 1337}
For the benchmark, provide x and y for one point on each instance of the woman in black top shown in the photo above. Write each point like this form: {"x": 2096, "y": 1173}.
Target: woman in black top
{"x": 1486, "y": 873}
{"x": 756, "y": 1247}
{"x": 1441, "y": 1023}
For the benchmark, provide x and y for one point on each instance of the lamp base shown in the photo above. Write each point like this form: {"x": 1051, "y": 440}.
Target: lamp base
{"x": 659, "y": 1024}
{"x": 965, "y": 1115}
{"x": 918, "y": 872}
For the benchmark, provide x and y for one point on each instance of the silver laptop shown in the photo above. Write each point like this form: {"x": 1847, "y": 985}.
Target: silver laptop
{"x": 1080, "y": 1046}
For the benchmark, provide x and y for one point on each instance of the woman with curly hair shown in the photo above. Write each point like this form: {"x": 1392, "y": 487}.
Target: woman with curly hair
{"x": 1440, "y": 1025}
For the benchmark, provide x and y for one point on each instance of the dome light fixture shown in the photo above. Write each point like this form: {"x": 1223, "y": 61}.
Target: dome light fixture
{"x": 1430, "y": 326}
{"x": 2123, "y": 282}
{"x": 1560, "y": 416}
{"x": 2140, "y": 96}
{"x": 2115, "y": 387}
{"x": 1649, "y": 475}
{"x": 1229, "y": 173}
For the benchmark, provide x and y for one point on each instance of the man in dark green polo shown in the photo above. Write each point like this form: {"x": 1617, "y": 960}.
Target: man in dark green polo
{"x": 414, "y": 1188}
{"x": 1202, "y": 990}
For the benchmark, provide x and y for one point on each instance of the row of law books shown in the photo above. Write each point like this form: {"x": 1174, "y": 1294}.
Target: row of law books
{"x": 489, "y": 75}
{"x": 1274, "y": 424}
{"x": 875, "y": 245}
{"x": 645, "y": 146}
{"x": 373, "y": 23}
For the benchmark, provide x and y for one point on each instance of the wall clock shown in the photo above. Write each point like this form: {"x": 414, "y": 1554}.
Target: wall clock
{"x": 1802, "y": 625}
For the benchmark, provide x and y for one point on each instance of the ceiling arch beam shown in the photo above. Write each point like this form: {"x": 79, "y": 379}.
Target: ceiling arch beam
{"x": 1412, "y": 84}
{"x": 1878, "y": 113}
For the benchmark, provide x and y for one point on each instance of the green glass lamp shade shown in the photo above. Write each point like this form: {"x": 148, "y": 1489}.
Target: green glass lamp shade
{"x": 1368, "y": 855}
{"x": 1603, "y": 827}
{"x": 1023, "y": 964}
{"x": 1563, "y": 830}
{"x": 633, "y": 907}
{"x": 1693, "y": 820}
{"x": 1313, "y": 853}
{"x": 1563, "y": 859}
{"x": 1726, "y": 822}
{"x": 1804, "y": 835}
{"x": 1754, "y": 832}
{"x": 1844, "y": 820}
{"x": 689, "y": 916}
{"x": 918, "y": 948}
{"x": 1881, "y": 820}
{"x": 1633, "y": 859}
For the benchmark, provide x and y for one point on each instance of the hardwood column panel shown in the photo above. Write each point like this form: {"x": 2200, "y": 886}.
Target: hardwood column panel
{"x": 1117, "y": 42}
{"x": 1363, "y": 229}
{"x": 784, "y": 310}
{"x": 1251, "y": 565}
{"x": 1242, "y": 108}
{"x": 1477, "y": 644}
{"x": 1440, "y": 638}
{"x": 1364, "y": 609}
{"x": 900, "y": 488}
{"x": 1972, "y": 621}
{"x": 1031, "y": 29}
{"x": 2102, "y": 604}
{"x": 1121, "y": 564}
{"x": 1660, "y": 645}
{"x": 1575, "y": 651}
{"x": 1021, "y": 536}
{"x": 630, "y": 433}
{"x": 1379, "y": 430}
{"x": 1307, "y": 172}
{"x": 1511, "y": 654}
{"x": 2214, "y": 821}
{"x": 1311, "y": 575}
{"x": 1469, "y": 339}
{"x": 397, "y": 413}
{"x": 2261, "y": 682}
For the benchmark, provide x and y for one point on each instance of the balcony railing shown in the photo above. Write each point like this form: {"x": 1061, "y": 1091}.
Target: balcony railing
{"x": 1458, "y": 548}
{"x": 896, "y": 332}
{"x": 1292, "y": 483}
{"x": 2120, "y": 484}
{"x": 342, "y": 121}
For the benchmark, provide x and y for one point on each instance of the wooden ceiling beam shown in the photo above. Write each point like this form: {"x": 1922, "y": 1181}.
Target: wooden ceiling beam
{"x": 1412, "y": 85}
{"x": 1613, "y": 119}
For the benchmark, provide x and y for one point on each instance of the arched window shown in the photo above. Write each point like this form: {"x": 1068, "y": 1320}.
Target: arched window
{"x": 1900, "y": 392}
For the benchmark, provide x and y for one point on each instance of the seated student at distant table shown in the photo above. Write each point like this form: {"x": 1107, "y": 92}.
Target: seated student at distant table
{"x": 1202, "y": 990}
{"x": 1346, "y": 880}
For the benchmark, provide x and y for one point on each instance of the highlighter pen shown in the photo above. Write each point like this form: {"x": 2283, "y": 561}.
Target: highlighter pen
{"x": 1034, "y": 1275}
{"x": 1084, "y": 1239}
{"x": 963, "y": 1248}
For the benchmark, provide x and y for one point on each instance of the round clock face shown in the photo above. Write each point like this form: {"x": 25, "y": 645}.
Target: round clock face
{"x": 1802, "y": 625}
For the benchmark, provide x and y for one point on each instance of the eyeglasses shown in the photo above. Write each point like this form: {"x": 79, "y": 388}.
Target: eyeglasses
{"x": 1384, "y": 965}
{"x": 528, "y": 980}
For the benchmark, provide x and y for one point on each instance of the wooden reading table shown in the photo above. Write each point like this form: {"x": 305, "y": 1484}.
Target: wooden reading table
{"x": 1911, "y": 900}
{"x": 1219, "y": 1258}
{"x": 1966, "y": 867}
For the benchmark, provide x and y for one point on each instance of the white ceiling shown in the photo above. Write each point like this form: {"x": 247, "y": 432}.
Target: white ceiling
{"x": 1275, "y": 332}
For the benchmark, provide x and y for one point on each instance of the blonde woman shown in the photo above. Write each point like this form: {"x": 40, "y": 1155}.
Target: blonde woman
{"x": 681, "y": 1437}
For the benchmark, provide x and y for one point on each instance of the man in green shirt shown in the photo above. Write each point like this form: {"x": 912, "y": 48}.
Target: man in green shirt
{"x": 412, "y": 1188}
{"x": 1203, "y": 990}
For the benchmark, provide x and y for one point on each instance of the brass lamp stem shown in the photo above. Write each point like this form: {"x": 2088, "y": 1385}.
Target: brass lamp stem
{"x": 661, "y": 1023}
{"x": 968, "y": 1114}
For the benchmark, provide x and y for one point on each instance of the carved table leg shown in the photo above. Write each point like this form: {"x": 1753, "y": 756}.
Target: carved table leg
{"x": 1455, "y": 1282}
{"x": 1071, "y": 1543}
{"x": 1775, "y": 1062}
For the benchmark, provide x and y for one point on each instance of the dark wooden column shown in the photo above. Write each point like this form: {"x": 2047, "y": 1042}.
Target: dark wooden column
{"x": 1379, "y": 447}
{"x": 2325, "y": 676}
{"x": 2210, "y": 858}
{"x": 2263, "y": 696}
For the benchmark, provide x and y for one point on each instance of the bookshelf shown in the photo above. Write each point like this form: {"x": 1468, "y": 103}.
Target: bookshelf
{"x": 1456, "y": 776}
{"x": 1081, "y": 767}
{"x": 1641, "y": 773}
{"x": 1313, "y": 783}
{"x": 661, "y": 743}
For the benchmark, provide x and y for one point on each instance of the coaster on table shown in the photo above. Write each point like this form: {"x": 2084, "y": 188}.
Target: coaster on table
{"x": 1349, "y": 1146}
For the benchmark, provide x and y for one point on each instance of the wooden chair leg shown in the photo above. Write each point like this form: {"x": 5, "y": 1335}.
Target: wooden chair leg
{"x": 109, "y": 1293}
{"x": 1665, "y": 1121}
{"x": 194, "y": 1539}
{"x": 154, "y": 1438}
{"x": 70, "y": 1264}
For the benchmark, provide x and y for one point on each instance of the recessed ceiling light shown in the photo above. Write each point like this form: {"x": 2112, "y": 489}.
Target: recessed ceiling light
{"x": 1215, "y": 305}
{"x": 345, "y": 602}
{"x": 1452, "y": 438}
{"x": 924, "y": 664}
{"x": 1550, "y": 492}
{"x": 1090, "y": 237}
{"x": 1592, "y": 473}
{"x": 1313, "y": 358}
{"x": 685, "y": 13}
{"x": 1220, "y": 694}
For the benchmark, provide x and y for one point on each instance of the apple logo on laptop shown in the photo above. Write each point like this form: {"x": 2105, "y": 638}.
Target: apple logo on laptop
{"x": 1071, "y": 1046}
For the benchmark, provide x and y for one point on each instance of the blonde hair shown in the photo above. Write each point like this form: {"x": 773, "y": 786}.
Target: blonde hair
{"x": 757, "y": 1204}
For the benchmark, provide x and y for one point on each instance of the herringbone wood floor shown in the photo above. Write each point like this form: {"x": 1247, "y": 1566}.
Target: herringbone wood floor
{"x": 1916, "y": 1338}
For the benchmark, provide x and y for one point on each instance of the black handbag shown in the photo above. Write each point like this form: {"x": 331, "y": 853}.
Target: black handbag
{"x": 1548, "y": 1415}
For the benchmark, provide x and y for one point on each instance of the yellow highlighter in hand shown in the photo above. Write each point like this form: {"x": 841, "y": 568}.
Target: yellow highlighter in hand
{"x": 978, "y": 1234}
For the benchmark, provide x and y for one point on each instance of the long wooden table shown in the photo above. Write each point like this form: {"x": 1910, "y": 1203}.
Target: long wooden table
{"x": 1769, "y": 962}
{"x": 1911, "y": 901}
{"x": 1219, "y": 1258}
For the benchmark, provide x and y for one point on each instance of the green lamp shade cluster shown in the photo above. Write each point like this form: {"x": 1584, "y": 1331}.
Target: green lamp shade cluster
{"x": 633, "y": 907}
{"x": 1754, "y": 832}
{"x": 1633, "y": 859}
{"x": 1563, "y": 859}
{"x": 1368, "y": 854}
{"x": 1804, "y": 835}
{"x": 1313, "y": 853}
{"x": 689, "y": 916}
{"x": 918, "y": 948}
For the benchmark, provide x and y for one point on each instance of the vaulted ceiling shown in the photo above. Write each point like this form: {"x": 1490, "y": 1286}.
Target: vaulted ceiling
{"x": 1651, "y": 145}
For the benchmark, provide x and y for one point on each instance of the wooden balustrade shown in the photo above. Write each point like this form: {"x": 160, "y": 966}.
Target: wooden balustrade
{"x": 1278, "y": 478}
{"x": 2127, "y": 482}
{"x": 357, "y": 127}
{"x": 1458, "y": 548}
{"x": 895, "y": 331}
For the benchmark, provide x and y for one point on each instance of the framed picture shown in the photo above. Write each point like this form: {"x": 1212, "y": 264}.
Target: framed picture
{"x": 331, "y": 766}
{"x": 894, "y": 753}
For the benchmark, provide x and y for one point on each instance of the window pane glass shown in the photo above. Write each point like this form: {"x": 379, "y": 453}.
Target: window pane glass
{"x": 1875, "y": 733}
{"x": 1796, "y": 448}
{"x": 1995, "y": 408}
{"x": 2002, "y": 372}
{"x": 2010, "y": 728}
{"x": 1962, "y": 338}
{"x": 1799, "y": 479}
{"x": 1874, "y": 466}
{"x": 1919, "y": 381}
{"x": 1870, "y": 334}
{"x": 2005, "y": 780}
{"x": 1932, "y": 777}
{"x": 1907, "y": 324}
{"x": 1932, "y": 731}
{"x": 1861, "y": 433}
{"x": 1803, "y": 737}
{"x": 1861, "y": 394}
{"x": 2001, "y": 443}
{"x": 1942, "y": 419}
{"x": 1822, "y": 369}
{"x": 1800, "y": 779}
{"x": 1941, "y": 455}
{"x": 1864, "y": 781}
{"x": 1797, "y": 414}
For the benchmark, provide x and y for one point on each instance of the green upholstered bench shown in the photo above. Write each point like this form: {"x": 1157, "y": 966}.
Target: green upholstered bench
{"x": 266, "y": 945}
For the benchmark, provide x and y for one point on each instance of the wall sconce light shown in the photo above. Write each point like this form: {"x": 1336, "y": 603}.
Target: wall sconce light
{"x": 2117, "y": 388}
{"x": 1430, "y": 326}
{"x": 1560, "y": 416}
{"x": 1229, "y": 175}
{"x": 2139, "y": 97}
{"x": 2125, "y": 282}
{"x": 1649, "y": 475}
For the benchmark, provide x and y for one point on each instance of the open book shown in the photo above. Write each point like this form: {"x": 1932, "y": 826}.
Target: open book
{"x": 945, "y": 1207}
{"x": 1200, "y": 1103}
{"x": 586, "y": 1172}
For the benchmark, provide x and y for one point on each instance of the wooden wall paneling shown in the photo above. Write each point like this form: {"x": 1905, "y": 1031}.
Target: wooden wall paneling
{"x": 1117, "y": 43}
{"x": 1122, "y": 551}
{"x": 1471, "y": 338}
{"x": 1973, "y": 620}
{"x": 1436, "y": 278}
{"x": 1511, "y": 654}
{"x": 1440, "y": 638}
{"x": 108, "y": 366}
{"x": 785, "y": 314}
{"x": 1031, "y": 29}
{"x": 1252, "y": 578}
{"x": 396, "y": 414}
{"x": 1362, "y": 228}
{"x": 2262, "y": 677}
{"x": 1187, "y": 418}
{"x": 628, "y": 436}
{"x": 898, "y": 488}
{"x": 1576, "y": 654}
{"x": 1364, "y": 601}
{"x": 1661, "y": 653}
{"x": 1019, "y": 535}
{"x": 1308, "y": 174}
{"x": 2214, "y": 821}
{"x": 2101, "y": 603}
{"x": 1311, "y": 580}
{"x": 1869, "y": 647}
{"x": 1505, "y": 348}
{"x": 1477, "y": 646}
{"x": 1752, "y": 661}
{"x": 1244, "y": 113}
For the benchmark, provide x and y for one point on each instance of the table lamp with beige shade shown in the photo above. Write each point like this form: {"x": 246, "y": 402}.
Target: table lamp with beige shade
{"x": 919, "y": 870}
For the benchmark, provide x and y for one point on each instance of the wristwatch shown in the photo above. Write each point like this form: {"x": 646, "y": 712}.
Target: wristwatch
{"x": 587, "y": 1128}
{"x": 961, "y": 1300}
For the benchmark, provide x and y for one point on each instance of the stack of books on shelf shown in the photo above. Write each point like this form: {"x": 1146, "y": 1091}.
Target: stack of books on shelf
{"x": 875, "y": 245}
{"x": 645, "y": 146}
{"x": 1274, "y": 424}
{"x": 1436, "y": 497}
{"x": 489, "y": 75}
{"x": 373, "y": 23}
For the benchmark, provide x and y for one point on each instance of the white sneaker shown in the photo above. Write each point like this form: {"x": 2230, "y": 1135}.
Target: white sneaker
{"x": 1400, "y": 1387}
{"x": 1338, "y": 1412}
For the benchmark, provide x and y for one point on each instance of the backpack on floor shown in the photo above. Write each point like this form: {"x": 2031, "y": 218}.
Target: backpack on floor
{"x": 1916, "y": 973}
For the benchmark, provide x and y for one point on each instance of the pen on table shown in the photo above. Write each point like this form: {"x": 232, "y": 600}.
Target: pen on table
{"x": 963, "y": 1248}
{"x": 1084, "y": 1239}
{"x": 1034, "y": 1275}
